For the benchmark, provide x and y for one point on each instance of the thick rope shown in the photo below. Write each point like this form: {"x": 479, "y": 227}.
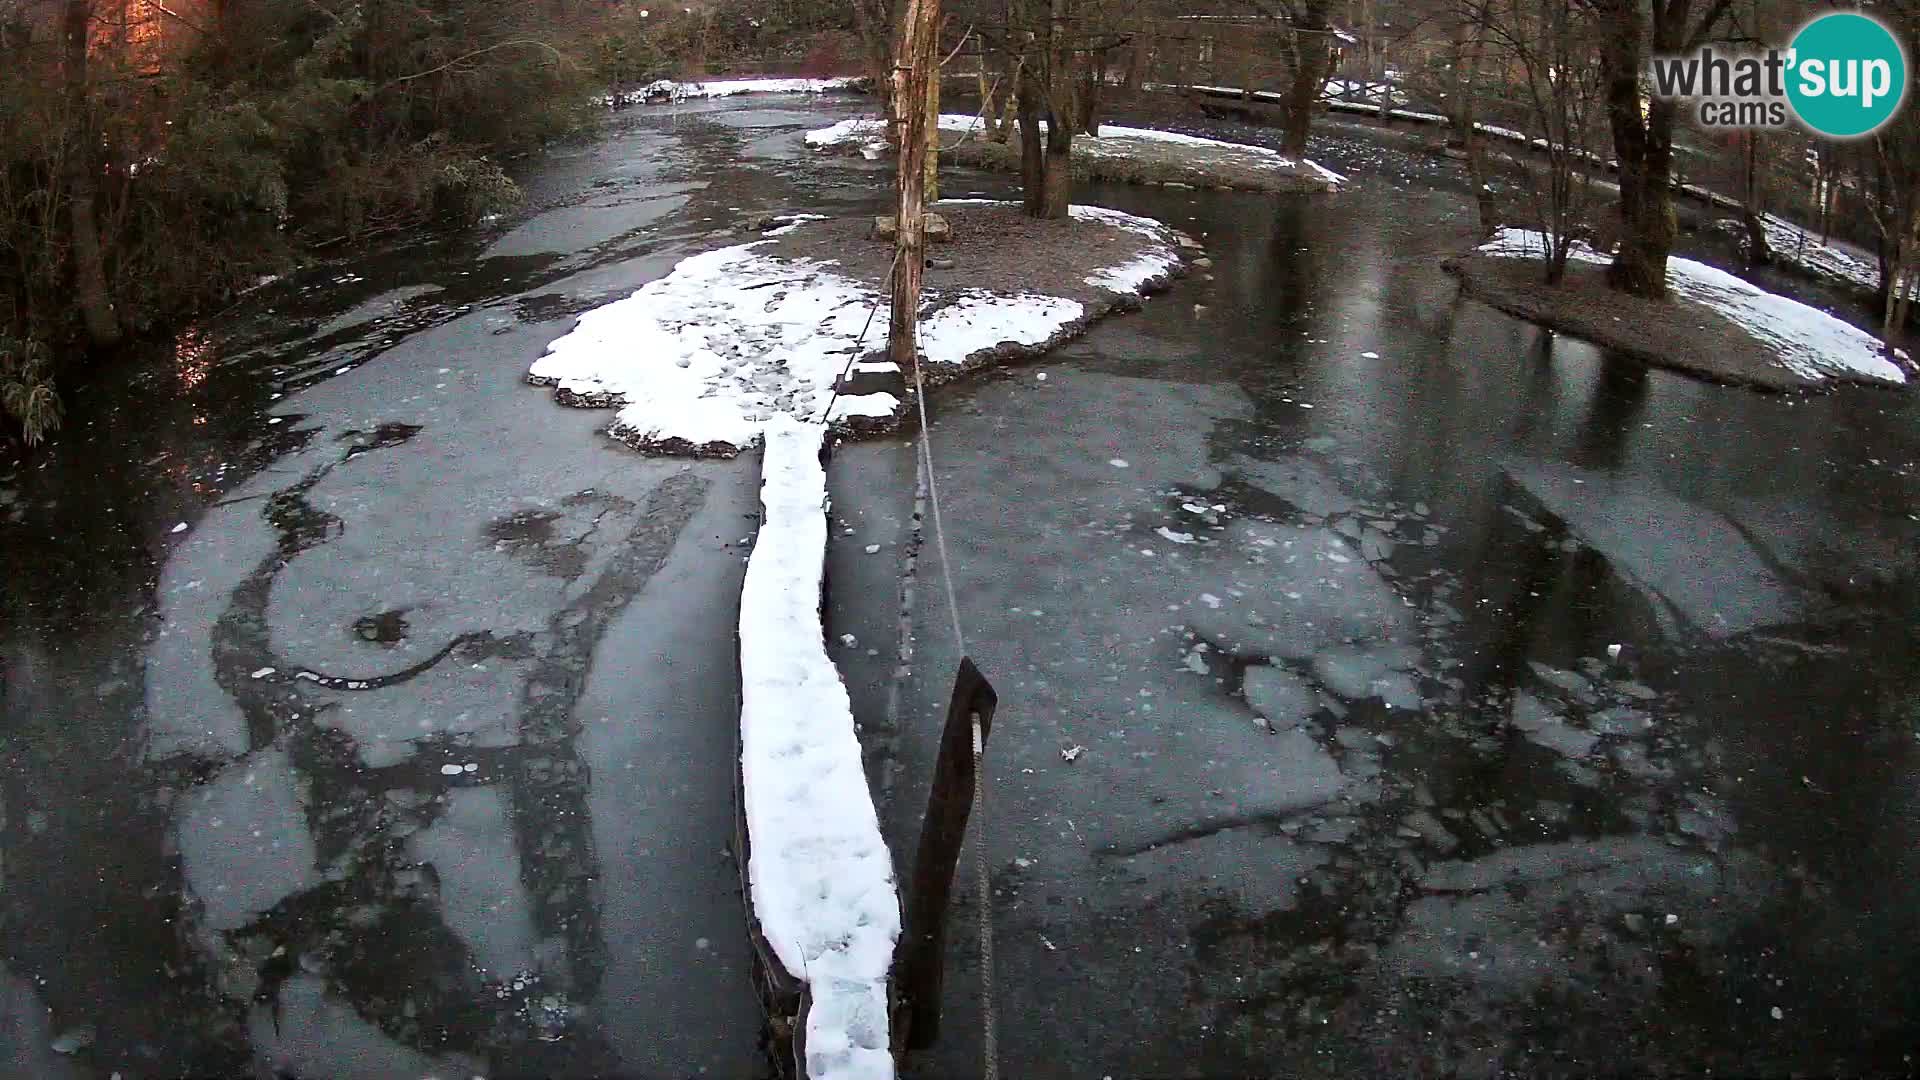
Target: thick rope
{"x": 989, "y": 1021}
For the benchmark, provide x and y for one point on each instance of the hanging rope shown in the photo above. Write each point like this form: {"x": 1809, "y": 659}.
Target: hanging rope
{"x": 933, "y": 497}
{"x": 989, "y": 1019}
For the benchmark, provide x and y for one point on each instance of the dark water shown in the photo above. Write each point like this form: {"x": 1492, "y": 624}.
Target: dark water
{"x": 512, "y": 592}
{"x": 1708, "y": 593}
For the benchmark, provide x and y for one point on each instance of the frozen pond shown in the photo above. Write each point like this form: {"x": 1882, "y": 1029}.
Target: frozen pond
{"x": 413, "y": 750}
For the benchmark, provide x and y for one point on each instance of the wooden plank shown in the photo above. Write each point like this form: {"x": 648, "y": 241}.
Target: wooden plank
{"x": 920, "y": 968}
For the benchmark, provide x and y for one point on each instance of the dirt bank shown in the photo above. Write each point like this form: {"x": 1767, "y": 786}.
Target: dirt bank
{"x": 796, "y": 323}
{"x": 998, "y": 251}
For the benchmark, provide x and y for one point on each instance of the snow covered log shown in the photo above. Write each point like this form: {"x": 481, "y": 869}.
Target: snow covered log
{"x": 819, "y": 878}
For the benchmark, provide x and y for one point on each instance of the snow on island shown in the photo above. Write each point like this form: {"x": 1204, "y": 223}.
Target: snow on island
{"x": 700, "y": 361}
{"x": 820, "y": 877}
{"x": 1113, "y": 146}
{"x": 674, "y": 90}
{"x": 1813, "y": 346}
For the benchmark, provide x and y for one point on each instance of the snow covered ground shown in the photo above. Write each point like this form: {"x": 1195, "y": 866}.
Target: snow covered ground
{"x": 673, "y": 90}
{"x": 1114, "y": 140}
{"x": 703, "y": 358}
{"x": 821, "y": 878}
{"x": 1809, "y": 342}
{"x": 1847, "y": 265}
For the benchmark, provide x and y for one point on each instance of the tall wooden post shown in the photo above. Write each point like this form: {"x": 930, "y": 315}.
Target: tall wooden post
{"x": 932, "y": 193}
{"x": 913, "y": 66}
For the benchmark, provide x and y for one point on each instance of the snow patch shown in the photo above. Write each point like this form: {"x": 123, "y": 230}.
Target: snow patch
{"x": 985, "y": 320}
{"x": 1809, "y": 342}
{"x": 1137, "y": 274}
{"x": 707, "y": 354}
{"x": 821, "y": 879}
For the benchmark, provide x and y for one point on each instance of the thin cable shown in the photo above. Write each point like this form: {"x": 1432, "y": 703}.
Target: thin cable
{"x": 989, "y": 1022}
{"x": 933, "y": 497}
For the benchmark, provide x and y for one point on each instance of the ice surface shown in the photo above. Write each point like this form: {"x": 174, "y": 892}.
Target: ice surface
{"x": 1256, "y": 870}
{"x": 477, "y": 705}
{"x": 821, "y": 876}
{"x": 1303, "y": 482}
{"x": 187, "y": 711}
{"x": 313, "y": 1036}
{"x": 1284, "y": 698}
{"x": 1308, "y": 601}
{"x": 1482, "y": 921}
{"x": 1357, "y": 674}
{"x": 244, "y": 844}
{"x": 1683, "y": 554}
{"x": 482, "y": 898}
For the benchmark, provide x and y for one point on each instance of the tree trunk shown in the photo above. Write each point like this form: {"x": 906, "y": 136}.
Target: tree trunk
{"x": 932, "y": 109}
{"x": 1312, "y": 57}
{"x": 1645, "y": 150}
{"x": 989, "y": 116}
{"x": 915, "y": 63}
{"x": 1058, "y": 197}
{"x": 1758, "y": 253}
{"x": 1087, "y": 117}
{"x": 1057, "y": 190}
{"x": 1137, "y": 55}
{"x": 83, "y": 185}
{"x": 1033, "y": 165}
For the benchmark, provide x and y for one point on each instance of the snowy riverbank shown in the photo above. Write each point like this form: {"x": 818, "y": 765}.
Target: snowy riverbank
{"x": 673, "y": 90}
{"x": 1125, "y": 154}
{"x": 1714, "y": 324}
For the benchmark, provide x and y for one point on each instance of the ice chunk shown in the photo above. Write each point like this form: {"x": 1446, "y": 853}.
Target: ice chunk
{"x": 1282, "y": 697}
{"x": 1307, "y": 606}
{"x": 244, "y": 844}
{"x": 1301, "y": 481}
{"x": 1357, "y": 674}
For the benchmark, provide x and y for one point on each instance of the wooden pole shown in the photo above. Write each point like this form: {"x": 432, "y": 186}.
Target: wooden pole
{"x": 932, "y": 191}
{"x": 921, "y": 967}
{"x": 913, "y": 66}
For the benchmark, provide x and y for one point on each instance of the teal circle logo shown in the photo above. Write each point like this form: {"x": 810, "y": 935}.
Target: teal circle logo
{"x": 1848, "y": 75}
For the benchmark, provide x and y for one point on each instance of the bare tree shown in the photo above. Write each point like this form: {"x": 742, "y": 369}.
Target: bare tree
{"x": 1549, "y": 44}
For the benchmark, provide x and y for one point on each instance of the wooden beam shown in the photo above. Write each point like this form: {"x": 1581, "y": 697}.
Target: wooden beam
{"x": 920, "y": 969}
